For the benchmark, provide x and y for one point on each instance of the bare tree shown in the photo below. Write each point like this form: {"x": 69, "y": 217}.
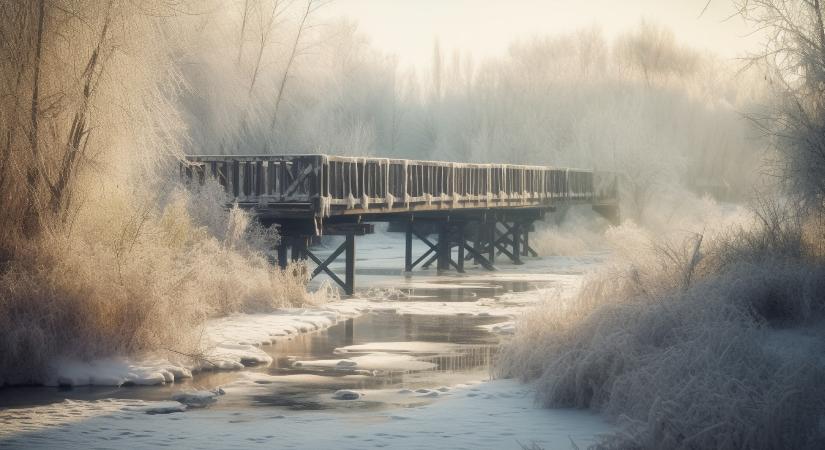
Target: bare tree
{"x": 55, "y": 58}
{"x": 652, "y": 49}
{"x": 267, "y": 14}
{"x": 794, "y": 59}
{"x": 312, "y": 6}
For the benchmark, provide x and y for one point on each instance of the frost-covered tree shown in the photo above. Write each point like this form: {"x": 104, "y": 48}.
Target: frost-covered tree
{"x": 794, "y": 56}
{"x": 77, "y": 86}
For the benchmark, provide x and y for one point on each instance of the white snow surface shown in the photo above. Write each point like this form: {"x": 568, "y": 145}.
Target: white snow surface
{"x": 116, "y": 372}
{"x": 491, "y": 415}
{"x": 233, "y": 343}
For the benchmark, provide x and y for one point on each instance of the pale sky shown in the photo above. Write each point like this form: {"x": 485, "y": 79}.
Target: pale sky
{"x": 408, "y": 28}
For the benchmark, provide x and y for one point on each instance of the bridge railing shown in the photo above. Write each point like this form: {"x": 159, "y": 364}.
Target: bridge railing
{"x": 335, "y": 185}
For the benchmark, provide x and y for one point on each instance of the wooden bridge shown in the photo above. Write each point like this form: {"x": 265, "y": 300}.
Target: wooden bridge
{"x": 479, "y": 210}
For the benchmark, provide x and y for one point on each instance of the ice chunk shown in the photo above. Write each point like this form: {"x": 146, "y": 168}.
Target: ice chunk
{"x": 346, "y": 394}
{"x": 157, "y": 407}
{"x": 198, "y": 399}
{"x": 346, "y": 363}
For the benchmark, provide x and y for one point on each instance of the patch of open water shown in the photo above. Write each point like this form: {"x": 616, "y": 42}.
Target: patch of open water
{"x": 464, "y": 353}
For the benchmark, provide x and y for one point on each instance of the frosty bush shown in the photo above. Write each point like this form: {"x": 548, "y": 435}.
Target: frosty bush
{"x": 688, "y": 347}
{"x": 130, "y": 287}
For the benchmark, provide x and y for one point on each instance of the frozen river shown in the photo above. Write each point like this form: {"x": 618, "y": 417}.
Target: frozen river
{"x": 406, "y": 363}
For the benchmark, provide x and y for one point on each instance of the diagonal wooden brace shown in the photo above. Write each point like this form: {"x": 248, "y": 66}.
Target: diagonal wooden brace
{"x": 324, "y": 265}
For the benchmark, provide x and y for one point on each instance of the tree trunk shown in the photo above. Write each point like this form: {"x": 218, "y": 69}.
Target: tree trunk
{"x": 292, "y": 54}
{"x": 78, "y": 133}
{"x": 31, "y": 215}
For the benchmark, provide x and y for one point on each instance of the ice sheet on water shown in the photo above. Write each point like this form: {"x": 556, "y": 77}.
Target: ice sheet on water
{"x": 400, "y": 347}
{"x": 381, "y": 361}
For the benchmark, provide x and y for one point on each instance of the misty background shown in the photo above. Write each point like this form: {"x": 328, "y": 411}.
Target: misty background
{"x": 632, "y": 96}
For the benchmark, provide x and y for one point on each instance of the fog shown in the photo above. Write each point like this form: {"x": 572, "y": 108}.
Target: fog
{"x": 622, "y": 93}
{"x": 695, "y": 319}
{"x": 487, "y": 28}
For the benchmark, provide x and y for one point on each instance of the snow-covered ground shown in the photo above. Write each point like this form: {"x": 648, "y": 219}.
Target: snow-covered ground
{"x": 494, "y": 414}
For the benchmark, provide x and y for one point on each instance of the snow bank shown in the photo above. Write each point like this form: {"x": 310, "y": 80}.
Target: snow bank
{"x": 116, "y": 372}
{"x": 265, "y": 329}
{"x": 233, "y": 342}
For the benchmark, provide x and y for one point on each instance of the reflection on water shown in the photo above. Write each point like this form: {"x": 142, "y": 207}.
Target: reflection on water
{"x": 471, "y": 293}
{"x": 469, "y": 359}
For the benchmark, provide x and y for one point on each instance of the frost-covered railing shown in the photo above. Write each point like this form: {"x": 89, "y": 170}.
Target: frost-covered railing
{"x": 337, "y": 185}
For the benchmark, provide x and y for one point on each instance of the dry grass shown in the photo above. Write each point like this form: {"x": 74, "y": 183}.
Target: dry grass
{"x": 680, "y": 347}
{"x": 141, "y": 285}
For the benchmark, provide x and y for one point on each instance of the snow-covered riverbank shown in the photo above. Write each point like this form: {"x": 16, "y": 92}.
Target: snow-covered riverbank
{"x": 233, "y": 342}
{"x": 455, "y": 410}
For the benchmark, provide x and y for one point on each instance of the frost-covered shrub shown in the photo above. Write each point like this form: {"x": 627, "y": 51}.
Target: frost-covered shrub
{"x": 687, "y": 348}
{"x": 141, "y": 280}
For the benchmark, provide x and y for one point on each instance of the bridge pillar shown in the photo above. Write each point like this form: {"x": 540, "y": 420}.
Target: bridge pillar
{"x": 449, "y": 235}
{"x": 462, "y": 242}
{"x": 513, "y": 241}
{"x": 298, "y": 244}
{"x": 349, "y": 276}
{"x": 283, "y": 247}
{"x": 525, "y": 248}
{"x": 517, "y": 236}
{"x": 299, "y": 248}
{"x": 408, "y": 237}
{"x": 490, "y": 237}
{"x": 444, "y": 247}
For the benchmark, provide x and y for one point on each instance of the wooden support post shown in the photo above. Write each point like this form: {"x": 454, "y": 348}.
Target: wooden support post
{"x": 525, "y": 248}
{"x": 461, "y": 244}
{"x": 348, "y": 248}
{"x": 444, "y": 249}
{"x": 491, "y": 241}
{"x": 408, "y": 235}
{"x": 299, "y": 247}
{"x": 282, "y": 253}
{"x": 478, "y": 241}
{"x": 516, "y": 232}
{"x": 433, "y": 248}
{"x": 324, "y": 265}
{"x": 349, "y": 279}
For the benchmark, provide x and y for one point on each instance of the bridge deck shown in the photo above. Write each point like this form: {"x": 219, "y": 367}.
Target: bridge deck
{"x": 484, "y": 210}
{"x": 324, "y": 186}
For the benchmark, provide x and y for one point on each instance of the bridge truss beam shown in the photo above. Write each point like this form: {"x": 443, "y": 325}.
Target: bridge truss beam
{"x": 301, "y": 251}
{"x": 479, "y": 242}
